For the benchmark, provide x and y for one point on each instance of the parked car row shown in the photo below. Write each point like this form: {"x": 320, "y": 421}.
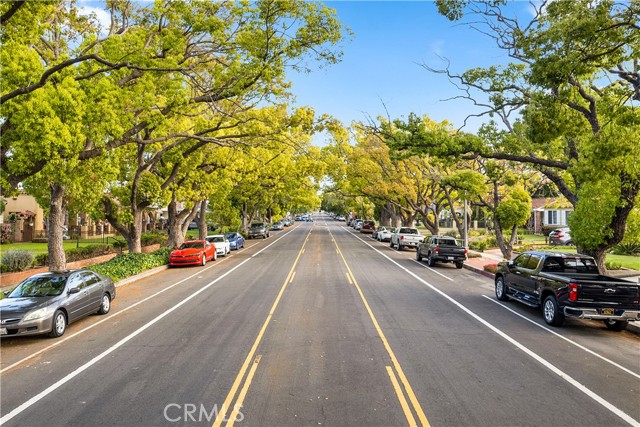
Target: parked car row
{"x": 442, "y": 249}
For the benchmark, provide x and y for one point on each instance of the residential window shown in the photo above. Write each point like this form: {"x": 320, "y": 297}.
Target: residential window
{"x": 552, "y": 217}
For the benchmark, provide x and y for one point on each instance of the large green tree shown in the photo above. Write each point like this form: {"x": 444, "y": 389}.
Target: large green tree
{"x": 567, "y": 105}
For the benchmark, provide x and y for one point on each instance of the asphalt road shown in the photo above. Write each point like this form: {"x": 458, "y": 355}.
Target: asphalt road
{"x": 319, "y": 325}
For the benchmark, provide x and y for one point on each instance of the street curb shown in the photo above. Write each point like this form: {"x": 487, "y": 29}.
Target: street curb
{"x": 140, "y": 276}
{"x": 479, "y": 271}
{"x": 633, "y": 327}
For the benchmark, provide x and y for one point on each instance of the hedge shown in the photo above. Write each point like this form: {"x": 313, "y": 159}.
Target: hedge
{"x": 126, "y": 265}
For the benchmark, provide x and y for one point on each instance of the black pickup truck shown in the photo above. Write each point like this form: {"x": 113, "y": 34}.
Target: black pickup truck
{"x": 441, "y": 249}
{"x": 568, "y": 285}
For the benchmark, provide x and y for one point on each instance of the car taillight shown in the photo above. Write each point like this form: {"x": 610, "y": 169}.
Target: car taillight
{"x": 573, "y": 292}
{"x": 437, "y": 249}
{"x": 560, "y": 235}
{"x": 401, "y": 237}
{"x": 466, "y": 251}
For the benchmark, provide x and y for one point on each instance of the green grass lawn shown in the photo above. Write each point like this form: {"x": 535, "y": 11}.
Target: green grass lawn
{"x": 41, "y": 248}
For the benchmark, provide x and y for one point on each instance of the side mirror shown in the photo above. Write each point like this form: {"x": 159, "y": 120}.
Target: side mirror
{"x": 510, "y": 263}
{"x": 74, "y": 290}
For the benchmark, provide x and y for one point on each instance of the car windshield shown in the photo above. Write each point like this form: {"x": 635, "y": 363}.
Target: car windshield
{"x": 187, "y": 245}
{"x": 230, "y": 235}
{"x": 47, "y": 286}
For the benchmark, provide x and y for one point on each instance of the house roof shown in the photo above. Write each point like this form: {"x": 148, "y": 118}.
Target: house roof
{"x": 550, "y": 203}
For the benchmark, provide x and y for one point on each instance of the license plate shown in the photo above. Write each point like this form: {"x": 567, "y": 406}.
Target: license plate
{"x": 3, "y": 331}
{"x": 449, "y": 257}
{"x": 608, "y": 311}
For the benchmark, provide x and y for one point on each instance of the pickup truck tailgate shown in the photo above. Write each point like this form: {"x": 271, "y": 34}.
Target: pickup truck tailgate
{"x": 444, "y": 250}
{"x": 614, "y": 293}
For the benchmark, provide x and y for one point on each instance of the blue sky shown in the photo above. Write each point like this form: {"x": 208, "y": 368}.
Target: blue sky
{"x": 381, "y": 63}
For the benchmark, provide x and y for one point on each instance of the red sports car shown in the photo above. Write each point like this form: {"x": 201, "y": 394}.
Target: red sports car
{"x": 193, "y": 252}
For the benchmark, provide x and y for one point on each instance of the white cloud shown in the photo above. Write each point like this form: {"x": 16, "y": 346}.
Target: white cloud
{"x": 102, "y": 17}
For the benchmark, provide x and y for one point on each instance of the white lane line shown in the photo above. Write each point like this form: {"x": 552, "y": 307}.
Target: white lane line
{"x": 584, "y": 389}
{"x": 111, "y": 349}
{"x": 111, "y": 316}
{"x": 431, "y": 269}
{"x": 580, "y": 346}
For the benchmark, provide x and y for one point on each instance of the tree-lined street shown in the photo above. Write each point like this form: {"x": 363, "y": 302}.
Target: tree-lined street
{"x": 321, "y": 326}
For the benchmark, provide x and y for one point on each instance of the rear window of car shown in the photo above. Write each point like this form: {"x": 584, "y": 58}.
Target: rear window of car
{"x": 449, "y": 242}
{"x": 370, "y": 223}
{"x": 570, "y": 265}
{"x": 408, "y": 231}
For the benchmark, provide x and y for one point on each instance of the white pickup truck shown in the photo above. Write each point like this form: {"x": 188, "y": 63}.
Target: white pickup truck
{"x": 403, "y": 237}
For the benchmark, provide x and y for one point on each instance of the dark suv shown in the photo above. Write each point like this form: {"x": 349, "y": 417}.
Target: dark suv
{"x": 258, "y": 229}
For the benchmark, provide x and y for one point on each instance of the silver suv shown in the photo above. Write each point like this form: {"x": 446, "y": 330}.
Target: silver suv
{"x": 560, "y": 236}
{"x": 258, "y": 229}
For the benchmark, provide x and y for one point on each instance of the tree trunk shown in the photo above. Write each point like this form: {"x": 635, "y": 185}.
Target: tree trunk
{"x": 178, "y": 223}
{"x": 55, "y": 229}
{"x": 599, "y": 255}
{"x": 134, "y": 234}
{"x": 203, "y": 219}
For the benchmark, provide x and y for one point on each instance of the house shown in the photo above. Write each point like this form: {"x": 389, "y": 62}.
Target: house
{"x": 549, "y": 212}
{"x": 25, "y": 215}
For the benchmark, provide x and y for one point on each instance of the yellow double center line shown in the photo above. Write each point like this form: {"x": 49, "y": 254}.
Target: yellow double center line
{"x": 250, "y": 357}
{"x": 394, "y": 361}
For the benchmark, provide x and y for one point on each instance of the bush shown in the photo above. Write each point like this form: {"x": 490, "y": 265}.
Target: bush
{"x": 478, "y": 245}
{"x": 630, "y": 248}
{"x": 77, "y": 254}
{"x": 491, "y": 268}
{"x": 16, "y": 260}
{"x": 473, "y": 255}
{"x": 148, "y": 239}
{"x": 613, "y": 265}
{"x": 126, "y": 265}
{"x": 6, "y": 233}
{"x": 452, "y": 233}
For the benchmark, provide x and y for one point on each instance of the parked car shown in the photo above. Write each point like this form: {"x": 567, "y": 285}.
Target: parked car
{"x": 236, "y": 240}
{"x": 192, "y": 225}
{"x": 560, "y": 236}
{"x": 404, "y": 237}
{"x": 368, "y": 226}
{"x": 258, "y": 229}
{"x": 441, "y": 249}
{"x": 340, "y": 218}
{"x": 383, "y": 234}
{"x": 46, "y": 303}
{"x": 568, "y": 284}
{"x": 221, "y": 243}
{"x": 279, "y": 225}
{"x": 193, "y": 252}
{"x": 357, "y": 225}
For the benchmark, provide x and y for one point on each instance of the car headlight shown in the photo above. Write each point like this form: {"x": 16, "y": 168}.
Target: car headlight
{"x": 36, "y": 314}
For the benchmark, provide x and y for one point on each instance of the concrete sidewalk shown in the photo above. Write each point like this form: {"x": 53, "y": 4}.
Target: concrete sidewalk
{"x": 490, "y": 257}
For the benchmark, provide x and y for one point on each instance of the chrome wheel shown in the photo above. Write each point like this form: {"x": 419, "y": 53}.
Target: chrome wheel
{"x": 59, "y": 324}
{"x": 106, "y": 304}
{"x": 549, "y": 311}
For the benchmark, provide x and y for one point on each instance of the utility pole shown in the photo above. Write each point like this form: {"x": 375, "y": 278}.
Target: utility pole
{"x": 466, "y": 237}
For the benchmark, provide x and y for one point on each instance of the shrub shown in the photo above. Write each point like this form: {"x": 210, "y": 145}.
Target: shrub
{"x": 478, "y": 245}
{"x": 126, "y": 265}
{"x": 491, "y": 268}
{"x": 6, "y": 233}
{"x": 17, "y": 260}
{"x": 630, "y": 248}
{"x": 613, "y": 265}
{"x": 148, "y": 239}
{"x": 77, "y": 254}
{"x": 452, "y": 233}
{"x": 473, "y": 255}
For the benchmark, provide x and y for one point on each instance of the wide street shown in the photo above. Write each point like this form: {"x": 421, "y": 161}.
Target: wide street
{"x": 321, "y": 326}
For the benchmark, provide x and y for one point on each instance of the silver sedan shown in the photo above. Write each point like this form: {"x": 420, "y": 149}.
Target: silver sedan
{"x": 46, "y": 303}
